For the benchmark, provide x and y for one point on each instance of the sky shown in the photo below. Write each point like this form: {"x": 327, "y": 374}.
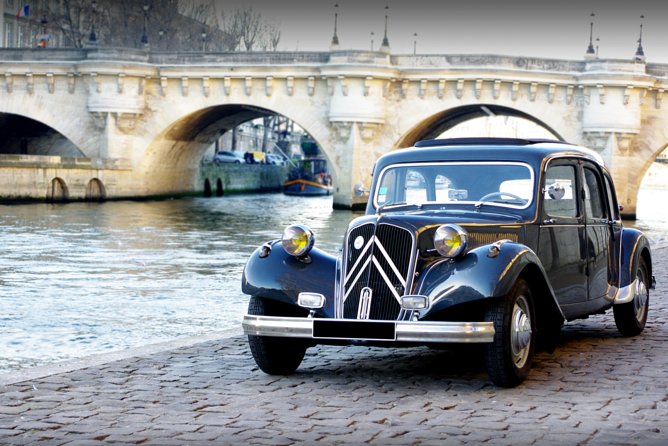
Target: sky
{"x": 550, "y": 29}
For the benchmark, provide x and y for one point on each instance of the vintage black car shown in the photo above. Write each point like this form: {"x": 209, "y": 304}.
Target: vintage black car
{"x": 489, "y": 241}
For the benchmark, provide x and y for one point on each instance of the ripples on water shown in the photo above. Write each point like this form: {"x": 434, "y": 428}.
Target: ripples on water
{"x": 80, "y": 279}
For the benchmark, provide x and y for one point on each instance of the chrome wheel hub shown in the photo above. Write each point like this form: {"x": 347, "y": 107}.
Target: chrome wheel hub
{"x": 640, "y": 300}
{"x": 520, "y": 332}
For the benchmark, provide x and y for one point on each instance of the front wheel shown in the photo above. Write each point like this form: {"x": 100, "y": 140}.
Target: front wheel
{"x": 274, "y": 356}
{"x": 631, "y": 317}
{"x": 509, "y": 356}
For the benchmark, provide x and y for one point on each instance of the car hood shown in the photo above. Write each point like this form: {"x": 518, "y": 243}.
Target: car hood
{"x": 420, "y": 219}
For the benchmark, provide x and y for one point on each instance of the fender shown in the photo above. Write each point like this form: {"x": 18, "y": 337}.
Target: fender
{"x": 486, "y": 272}
{"x": 633, "y": 245}
{"x": 282, "y": 277}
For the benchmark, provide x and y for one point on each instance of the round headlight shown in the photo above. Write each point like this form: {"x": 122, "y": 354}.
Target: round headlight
{"x": 297, "y": 240}
{"x": 450, "y": 240}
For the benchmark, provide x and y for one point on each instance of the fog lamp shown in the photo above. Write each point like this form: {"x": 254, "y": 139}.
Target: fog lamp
{"x": 450, "y": 240}
{"x": 297, "y": 240}
{"x": 311, "y": 300}
{"x": 414, "y": 302}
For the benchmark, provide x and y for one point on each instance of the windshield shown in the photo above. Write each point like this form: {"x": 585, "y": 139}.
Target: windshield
{"x": 505, "y": 184}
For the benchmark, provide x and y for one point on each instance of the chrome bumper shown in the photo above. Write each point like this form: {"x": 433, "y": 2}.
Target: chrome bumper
{"x": 391, "y": 331}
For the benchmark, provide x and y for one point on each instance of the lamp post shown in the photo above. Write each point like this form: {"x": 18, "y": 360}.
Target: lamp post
{"x": 144, "y": 36}
{"x": 92, "y": 38}
{"x": 591, "y": 52}
{"x": 372, "y": 34}
{"x": 204, "y": 41}
{"x": 415, "y": 35}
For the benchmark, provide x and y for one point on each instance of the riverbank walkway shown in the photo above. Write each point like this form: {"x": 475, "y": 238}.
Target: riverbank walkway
{"x": 597, "y": 388}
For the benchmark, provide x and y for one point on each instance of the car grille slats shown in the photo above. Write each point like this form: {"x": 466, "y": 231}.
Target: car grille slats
{"x": 379, "y": 258}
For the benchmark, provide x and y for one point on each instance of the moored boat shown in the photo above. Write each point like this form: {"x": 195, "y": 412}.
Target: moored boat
{"x": 309, "y": 178}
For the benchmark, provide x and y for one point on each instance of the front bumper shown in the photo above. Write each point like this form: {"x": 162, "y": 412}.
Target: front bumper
{"x": 368, "y": 330}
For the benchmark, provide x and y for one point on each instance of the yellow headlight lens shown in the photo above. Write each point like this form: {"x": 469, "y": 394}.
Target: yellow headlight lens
{"x": 297, "y": 240}
{"x": 450, "y": 240}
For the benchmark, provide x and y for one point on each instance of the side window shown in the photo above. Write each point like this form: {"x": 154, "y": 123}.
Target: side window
{"x": 559, "y": 199}
{"x": 416, "y": 187}
{"x": 593, "y": 194}
{"x": 612, "y": 200}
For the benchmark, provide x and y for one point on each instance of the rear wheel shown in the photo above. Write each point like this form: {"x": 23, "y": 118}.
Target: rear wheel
{"x": 509, "y": 357}
{"x": 631, "y": 317}
{"x": 274, "y": 356}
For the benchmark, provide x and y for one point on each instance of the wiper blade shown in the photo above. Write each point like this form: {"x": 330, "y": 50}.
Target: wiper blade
{"x": 398, "y": 205}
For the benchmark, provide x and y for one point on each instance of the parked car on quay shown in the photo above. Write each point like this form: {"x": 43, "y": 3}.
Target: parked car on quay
{"x": 227, "y": 156}
{"x": 275, "y": 159}
{"x": 487, "y": 241}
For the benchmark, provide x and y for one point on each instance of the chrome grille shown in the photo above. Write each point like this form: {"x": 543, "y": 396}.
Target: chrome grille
{"x": 380, "y": 262}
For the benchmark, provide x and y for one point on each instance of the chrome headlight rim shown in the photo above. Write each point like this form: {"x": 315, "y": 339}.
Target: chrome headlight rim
{"x": 450, "y": 240}
{"x": 297, "y": 240}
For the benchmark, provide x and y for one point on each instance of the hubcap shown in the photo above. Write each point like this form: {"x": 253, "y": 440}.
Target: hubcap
{"x": 520, "y": 332}
{"x": 640, "y": 300}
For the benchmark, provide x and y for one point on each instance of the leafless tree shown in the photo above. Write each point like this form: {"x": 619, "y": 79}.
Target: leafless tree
{"x": 249, "y": 32}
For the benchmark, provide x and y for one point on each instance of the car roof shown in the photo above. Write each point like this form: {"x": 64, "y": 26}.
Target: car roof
{"x": 532, "y": 151}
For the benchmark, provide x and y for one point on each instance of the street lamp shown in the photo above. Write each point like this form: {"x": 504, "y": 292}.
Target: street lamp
{"x": 415, "y": 43}
{"x": 372, "y": 34}
{"x": 144, "y": 36}
{"x": 92, "y": 38}
{"x": 204, "y": 41}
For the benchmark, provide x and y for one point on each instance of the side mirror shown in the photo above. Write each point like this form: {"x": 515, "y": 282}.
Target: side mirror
{"x": 360, "y": 191}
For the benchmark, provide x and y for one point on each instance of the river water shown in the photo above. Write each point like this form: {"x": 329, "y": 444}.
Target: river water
{"x": 80, "y": 279}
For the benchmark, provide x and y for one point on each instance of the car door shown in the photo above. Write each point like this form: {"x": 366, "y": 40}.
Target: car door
{"x": 598, "y": 232}
{"x": 561, "y": 247}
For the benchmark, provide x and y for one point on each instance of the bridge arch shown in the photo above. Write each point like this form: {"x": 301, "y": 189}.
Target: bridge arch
{"x": 25, "y": 135}
{"x": 173, "y": 156}
{"x": 438, "y": 123}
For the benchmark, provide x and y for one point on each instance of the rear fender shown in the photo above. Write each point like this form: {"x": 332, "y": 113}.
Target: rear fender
{"x": 634, "y": 245}
{"x": 280, "y": 276}
{"x": 483, "y": 273}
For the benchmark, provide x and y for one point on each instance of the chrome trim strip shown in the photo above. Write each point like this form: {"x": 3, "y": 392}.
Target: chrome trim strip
{"x": 387, "y": 280}
{"x": 357, "y": 277}
{"x": 359, "y": 259}
{"x": 390, "y": 262}
{"x": 406, "y": 331}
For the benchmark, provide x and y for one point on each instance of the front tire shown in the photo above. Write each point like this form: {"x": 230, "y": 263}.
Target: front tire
{"x": 274, "y": 356}
{"x": 631, "y": 317}
{"x": 509, "y": 356}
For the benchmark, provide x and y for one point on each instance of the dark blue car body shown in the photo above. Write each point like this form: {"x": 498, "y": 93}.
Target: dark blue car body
{"x": 549, "y": 248}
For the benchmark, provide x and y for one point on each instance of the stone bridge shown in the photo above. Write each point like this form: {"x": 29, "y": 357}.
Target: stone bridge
{"x": 115, "y": 123}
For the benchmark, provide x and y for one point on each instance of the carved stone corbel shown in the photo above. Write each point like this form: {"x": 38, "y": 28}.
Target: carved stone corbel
{"x": 569, "y": 93}
{"x": 642, "y": 95}
{"x": 341, "y": 130}
{"x": 269, "y": 86}
{"x": 367, "y": 85}
{"x": 627, "y": 94}
{"x": 71, "y": 84}
{"x": 423, "y": 88}
{"x": 310, "y": 85}
{"x": 404, "y": 88}
{"x": 601, "y": 93}
{"x": 533, "y": 91}
{"x": 368, "y": 131}
{"x": 227, "y": 84}
{"x": 496, "y": 89}
{"x": 514, "y": 90}
{"x": 460, "y": 88}
{"x": 125, "y": 121}
{"x": 30, "y": 83}
{"x": 206, "y": 86}
{"x": 163, "y": 86}
{"x": 94, "y": 82}
{"x": 478, "y": 88}
{"x": 50, "y": 83}
{"x": 185, "y": 81}
{"x": 120, "y": 83}
{"x": 290, "y": 85}
{"x": 9, "y": 82}
{"x": 551, "y": 89}
{"x": 344, "y": 85}
{"x": 440, "y": 89}
{"x": 248, "y": 85}
{"x": 659, "y": 98}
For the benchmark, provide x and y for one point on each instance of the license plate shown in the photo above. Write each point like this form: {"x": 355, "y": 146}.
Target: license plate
{"x": 354, "y": 330}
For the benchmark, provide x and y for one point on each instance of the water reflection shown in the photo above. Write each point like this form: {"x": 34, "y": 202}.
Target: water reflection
{"x": 79, "y": 279}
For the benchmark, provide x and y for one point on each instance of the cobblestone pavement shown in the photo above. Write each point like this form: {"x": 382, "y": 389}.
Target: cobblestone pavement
{"x": 596, "y": 388}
